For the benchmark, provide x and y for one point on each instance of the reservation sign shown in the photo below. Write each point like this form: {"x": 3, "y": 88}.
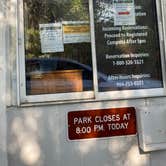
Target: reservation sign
{"x": 127, "y": 45}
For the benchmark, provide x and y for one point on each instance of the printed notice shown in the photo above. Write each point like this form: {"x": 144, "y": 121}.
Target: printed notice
{"x": 101, "y": 123}
{"x": 76, "y": 32}
{"x": 124, "y": 12}
{"x": 51, "y": 38}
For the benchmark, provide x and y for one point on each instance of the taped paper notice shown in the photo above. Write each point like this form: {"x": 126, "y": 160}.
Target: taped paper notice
{"x": 124, "y": 12}
{"x": 51, "y": 38}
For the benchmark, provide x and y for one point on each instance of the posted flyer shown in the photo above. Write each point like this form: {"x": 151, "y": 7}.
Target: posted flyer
{"x": 51, "y": 38}
{"x": 124, "y": 12}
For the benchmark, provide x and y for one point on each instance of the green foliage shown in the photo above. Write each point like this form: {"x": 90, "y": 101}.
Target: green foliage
{"x": 77, "y": 10}
{"x": 49, "y": 11}
{"x": 32, "y": 43}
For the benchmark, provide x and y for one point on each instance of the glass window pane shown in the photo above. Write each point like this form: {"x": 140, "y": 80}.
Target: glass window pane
{"x": 127, "y": 45}
{"x": 57, "y": 46}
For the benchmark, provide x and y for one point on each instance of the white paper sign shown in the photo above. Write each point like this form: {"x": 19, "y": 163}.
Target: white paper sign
{"x": 51, "y": 38}
{"x": 76, "y": 32}
{"x": 124, "y": 12}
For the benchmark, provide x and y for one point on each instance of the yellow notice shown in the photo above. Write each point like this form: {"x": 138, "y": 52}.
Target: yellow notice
{"x": 76, "y": 33}
{"x": 76, "y": 29}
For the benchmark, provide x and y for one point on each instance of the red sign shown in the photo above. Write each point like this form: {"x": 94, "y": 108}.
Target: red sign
{"x": 101, "y": 123}
{"x": 124, "y": 13}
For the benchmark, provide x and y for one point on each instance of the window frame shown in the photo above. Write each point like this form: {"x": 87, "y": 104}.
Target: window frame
{"x": 93, "y": 95}
{"x": 43, "y": 97}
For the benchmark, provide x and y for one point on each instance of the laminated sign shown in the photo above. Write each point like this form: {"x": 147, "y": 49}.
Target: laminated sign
{"x": 124, "y": 12}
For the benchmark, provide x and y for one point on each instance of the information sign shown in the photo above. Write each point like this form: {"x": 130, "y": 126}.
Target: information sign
{"x": 127, "y": 45}
{"x": 101, "y": 123}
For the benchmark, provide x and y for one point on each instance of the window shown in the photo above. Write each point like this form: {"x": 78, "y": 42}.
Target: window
{"x": 57, "y": 44}
{"x": 70, "y": 52}
{"x": 128, "y": 49}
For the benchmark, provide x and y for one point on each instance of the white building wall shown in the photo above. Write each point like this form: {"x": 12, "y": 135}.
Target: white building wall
{"x": 158, "y": 158}
{"x": 3, "y": 152}
{"x": 37, "y": 135}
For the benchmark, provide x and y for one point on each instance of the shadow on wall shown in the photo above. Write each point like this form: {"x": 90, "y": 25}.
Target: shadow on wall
{"x": 39, "y": 138}
{"x": 24, "y": 147}
{"x": 3, "y": 150}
